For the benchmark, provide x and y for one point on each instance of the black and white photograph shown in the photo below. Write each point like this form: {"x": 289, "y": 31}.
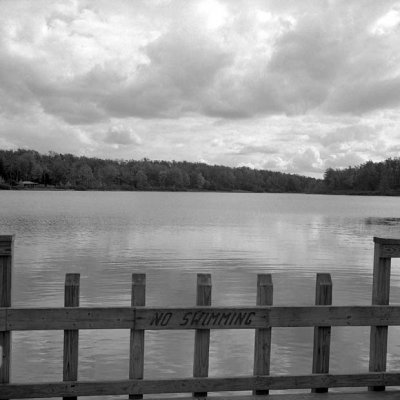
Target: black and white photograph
{"x": 200, "y": 199}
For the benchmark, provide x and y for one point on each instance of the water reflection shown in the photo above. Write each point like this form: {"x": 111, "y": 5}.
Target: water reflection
{"x": 172, "y": 236}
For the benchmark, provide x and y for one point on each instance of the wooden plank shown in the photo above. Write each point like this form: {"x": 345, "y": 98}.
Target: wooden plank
{"x": 202, "y": 336}
{"x": 6, "y": 260}
{"x": 262, "y": 337}
{"x": 380, "y": 295}
{"x": 70, "y": 318}
{"x": 188, "y": 385}
{"x": 71, "y": 336}
{"x": 136, "y": 354}
{"x": 389, "y": 248}
{"x": 155, "y": 318}
{"x": 389, "y": 395}
{"x": 386, "y": 240}
{"x": 322, "y": 335}
{"x": 202, "y": 318}
{"x": 266, "y": 316}
{"x": 6, "y": 245}
{"x": 390, "y": 251}
{"x": 3, "y": 321}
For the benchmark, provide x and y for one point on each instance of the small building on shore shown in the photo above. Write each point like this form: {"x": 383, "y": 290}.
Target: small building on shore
{"x": 26, "y": 185}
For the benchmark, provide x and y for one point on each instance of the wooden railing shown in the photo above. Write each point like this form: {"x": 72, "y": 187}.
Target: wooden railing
{"x": 262, "y": 318}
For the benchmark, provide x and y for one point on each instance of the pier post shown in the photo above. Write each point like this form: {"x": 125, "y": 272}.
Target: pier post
{"x": 136, "y": 358}
{"x": 202, "y": 336}
{"x": 384, "y": 251}
{"x": 71, "y": 336}
{"x": 262, "y": 338}
{"x": 6, "y": 262}
{"x": 322, "y": 335}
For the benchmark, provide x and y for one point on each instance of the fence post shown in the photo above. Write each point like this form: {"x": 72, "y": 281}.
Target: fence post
{"x": 384, "y": 250}
{"x": 136, "y": 358}
{"x": 322, "y": 335}
{"x": 262, "y": 338}
{"x": 202, "y": 336}
{"x": 71, "y": 336}
{"x": 6, "y": 261}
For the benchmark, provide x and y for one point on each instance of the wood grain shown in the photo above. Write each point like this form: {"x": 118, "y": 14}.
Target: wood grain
{"x": 202, "y": 336}
{"x": 322, "y": 335}
{"x": 6, "y": 262}
{"x": 188, "y": 385}
{"x": 380, "y": 295}
{"x": 71, "y": 336}
{"x": 389, "y": 248}
{"x": 6, "y": 245}
{"x": 389, "y": 395}
{"x": 154, "y": 318}
{"x": 262, "y": 337}
{"x": 136, "y": 354}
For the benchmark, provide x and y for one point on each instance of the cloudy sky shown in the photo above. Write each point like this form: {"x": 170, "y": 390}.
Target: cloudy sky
{"x": 289, "y": 85}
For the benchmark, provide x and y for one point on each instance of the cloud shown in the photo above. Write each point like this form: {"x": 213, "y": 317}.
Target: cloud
{"x": 343, "y": 160}
{"x": 297, "y": 86}
{"x": 253, "y": 149}
{"x": 346, "y": 134}
{"x": 87, "y": 64}
{"x": 122, "y": 136}
{"x": 181, "y": 66}
{"x": 387, "y": 23}
{"x": 362, "y": 96}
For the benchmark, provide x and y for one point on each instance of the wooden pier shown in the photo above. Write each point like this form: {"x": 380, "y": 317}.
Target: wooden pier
{"x": 203, "y": 317}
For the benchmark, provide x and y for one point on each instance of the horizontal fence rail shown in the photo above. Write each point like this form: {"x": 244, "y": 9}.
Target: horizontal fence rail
{"x": 188, "y": 385}
{"x": 202, "y": 318}
{"x": 182, "y": 318}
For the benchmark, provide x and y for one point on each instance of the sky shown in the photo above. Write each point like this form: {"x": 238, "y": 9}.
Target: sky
{"x": 284, "y": 85}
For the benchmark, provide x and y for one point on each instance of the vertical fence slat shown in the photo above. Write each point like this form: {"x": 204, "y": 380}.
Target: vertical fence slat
{"x": 6, "y": 259}
{"x": 71, "y": 336}
{"x": 202, "y": 336}
{"x": 322, "y": 335}
{"x": 380, "y": 296}
{"x": 262, "y": 339}
{"x": 136, "y": 358}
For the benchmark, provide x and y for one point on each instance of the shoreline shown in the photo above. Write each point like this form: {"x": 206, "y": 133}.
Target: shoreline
{"x": 333, "y": 193}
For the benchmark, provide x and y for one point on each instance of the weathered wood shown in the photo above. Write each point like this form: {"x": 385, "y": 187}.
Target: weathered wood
{"x": 380, "y": 295}
{"x": 322, "y": 335}
{"x": 155, "y": 318}
{"x": 136, "y": 356}
{"x": 202, "y": 336}
{"x": 3, "y": 323}
{"x": 267, "y": 316}
{"x": 6, "y": 245}
{"x": 71, "y": 336}
{"x": 262, "y": 337}
{"x": 6, "y": 254}
{"x": 389, "y": 248}
{"x": 70, "y": 318}
{"x": 361, "y": 395}
{"x": 202, "y": 318}
{"x": 188, "y": 385}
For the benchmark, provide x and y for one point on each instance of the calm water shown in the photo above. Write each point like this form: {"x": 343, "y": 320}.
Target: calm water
{"x": 171, "y": 237}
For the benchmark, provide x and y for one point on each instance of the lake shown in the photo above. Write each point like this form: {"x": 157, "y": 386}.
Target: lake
{"x": 106, "y": 236}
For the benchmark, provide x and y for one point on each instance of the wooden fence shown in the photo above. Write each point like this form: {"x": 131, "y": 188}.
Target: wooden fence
{"x": 262, "y": 318}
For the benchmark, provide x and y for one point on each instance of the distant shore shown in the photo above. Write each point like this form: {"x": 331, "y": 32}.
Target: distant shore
{"x": 116, "y": 189}
{"x": 28, "y": 170}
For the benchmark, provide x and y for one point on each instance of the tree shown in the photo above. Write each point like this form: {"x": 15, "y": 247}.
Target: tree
{"x": 174, "y": 178}
{"x": 197, "y": 180}
{"x": 82, "y": 175}
{"x": 330, "y": 179}
{"x": 108, "y": 175}
{"x": 141, "y": 180}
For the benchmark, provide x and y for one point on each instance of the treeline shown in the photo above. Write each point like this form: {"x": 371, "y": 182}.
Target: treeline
{"x": 369, "y": 178}
{"x": 67, "y": 171}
